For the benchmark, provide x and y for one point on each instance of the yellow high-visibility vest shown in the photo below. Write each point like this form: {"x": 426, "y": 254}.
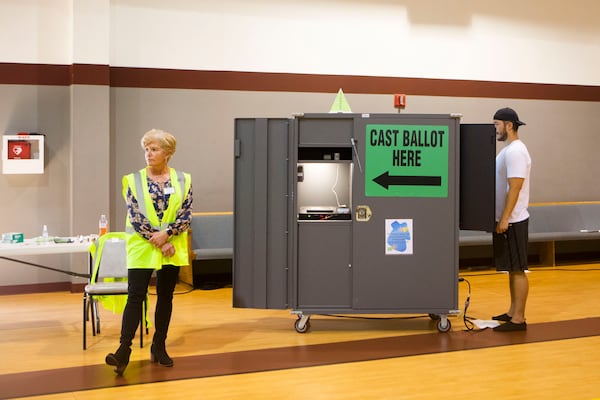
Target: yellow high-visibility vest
{"x": 140, "y": 253}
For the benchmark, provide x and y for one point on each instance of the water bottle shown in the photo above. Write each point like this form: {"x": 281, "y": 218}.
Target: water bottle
{"x": 45, "y": 239}
{"x": 103, "y": 225}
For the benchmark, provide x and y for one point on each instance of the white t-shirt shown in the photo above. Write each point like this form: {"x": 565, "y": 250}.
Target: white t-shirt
{"x": 513, "y": 161}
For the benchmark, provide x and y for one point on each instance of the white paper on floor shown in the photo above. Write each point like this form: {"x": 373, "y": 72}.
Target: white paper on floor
{"x": 483, "y": 323}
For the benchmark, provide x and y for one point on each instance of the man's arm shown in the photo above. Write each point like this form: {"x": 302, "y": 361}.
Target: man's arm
{"x": 514, "y": 188}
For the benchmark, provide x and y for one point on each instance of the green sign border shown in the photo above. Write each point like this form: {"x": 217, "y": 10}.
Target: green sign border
{"x": 415, "y": 158}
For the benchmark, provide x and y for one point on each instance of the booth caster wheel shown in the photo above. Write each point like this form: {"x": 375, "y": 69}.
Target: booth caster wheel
{"x": 302, "y": 324}
{"x": 444, "y": 324}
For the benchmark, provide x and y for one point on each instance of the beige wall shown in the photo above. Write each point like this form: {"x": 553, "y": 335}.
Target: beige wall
{"x": 562, "y": 137}
{"x": 30, "y": 201}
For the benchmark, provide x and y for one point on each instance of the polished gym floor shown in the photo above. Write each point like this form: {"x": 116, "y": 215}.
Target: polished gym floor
{"x": 225, "y": 353}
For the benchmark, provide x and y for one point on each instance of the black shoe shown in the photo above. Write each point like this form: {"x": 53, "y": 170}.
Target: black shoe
{"x": 159, "y": 354}
{"x": 502, "y": 317}
{"x": 511, "y": 327}
{"x": 119, "y": 359}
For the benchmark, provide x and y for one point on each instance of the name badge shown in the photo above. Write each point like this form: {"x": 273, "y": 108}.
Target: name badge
{"x": 169, "y": 190}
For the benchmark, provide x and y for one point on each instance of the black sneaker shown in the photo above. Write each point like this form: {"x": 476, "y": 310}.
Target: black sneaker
{"x": 502, "y": 317}
{"x": 511, "y": 327}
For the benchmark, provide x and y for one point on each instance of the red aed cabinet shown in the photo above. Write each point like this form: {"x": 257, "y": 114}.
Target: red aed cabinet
{"x": 19, "y": 150}
{"x": 23, "y": 154}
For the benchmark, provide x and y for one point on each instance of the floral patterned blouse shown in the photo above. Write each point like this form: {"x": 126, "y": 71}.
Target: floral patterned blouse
{"x": 160, "y": 200}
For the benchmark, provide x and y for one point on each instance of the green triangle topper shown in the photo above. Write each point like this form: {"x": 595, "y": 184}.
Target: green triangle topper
{"x": 340, "y": 104}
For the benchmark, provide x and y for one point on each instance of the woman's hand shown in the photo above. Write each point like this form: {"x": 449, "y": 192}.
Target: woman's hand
{"x": 158, "y": 239}
{"x": 168, "y": 250}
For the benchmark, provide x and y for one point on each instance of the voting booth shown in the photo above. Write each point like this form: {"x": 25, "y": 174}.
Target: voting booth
{"x": 350, "y": 214}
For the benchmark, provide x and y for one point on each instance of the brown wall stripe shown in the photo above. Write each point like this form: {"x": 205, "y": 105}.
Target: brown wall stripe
{"x": 34, "y": 74}
{"x": 92, "y": 74}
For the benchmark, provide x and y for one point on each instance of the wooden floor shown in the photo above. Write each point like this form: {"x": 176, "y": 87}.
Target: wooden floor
{"x": 226, "y": 353}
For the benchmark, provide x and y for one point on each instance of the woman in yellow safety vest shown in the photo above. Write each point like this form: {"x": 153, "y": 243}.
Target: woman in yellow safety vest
{"x": 159, "y": 212}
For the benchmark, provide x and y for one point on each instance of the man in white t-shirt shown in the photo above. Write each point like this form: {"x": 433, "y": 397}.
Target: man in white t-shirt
{"x": 513, "y": 166}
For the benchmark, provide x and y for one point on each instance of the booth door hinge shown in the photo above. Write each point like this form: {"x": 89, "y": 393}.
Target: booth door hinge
{"x": 237, "y": 148}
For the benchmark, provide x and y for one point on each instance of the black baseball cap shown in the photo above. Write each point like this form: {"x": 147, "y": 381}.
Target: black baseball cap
{"x": 508, "y": 114}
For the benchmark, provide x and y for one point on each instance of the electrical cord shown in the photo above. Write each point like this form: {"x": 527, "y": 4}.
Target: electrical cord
{"x": 71, "y": 273}
{"x": 190, "y": 289}
{"x": 466, "y": 319}
{"x": 537, "y": 269}
{"x": 566, "y": 269}
{"x": 337, "y": 175}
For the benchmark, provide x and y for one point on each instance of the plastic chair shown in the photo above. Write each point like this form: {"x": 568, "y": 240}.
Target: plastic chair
{"x": 108, "y": 278}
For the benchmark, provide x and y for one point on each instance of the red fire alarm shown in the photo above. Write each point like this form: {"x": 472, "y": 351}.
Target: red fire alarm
{"x": 19, "y": 150}
{"x": 399, "y": 100}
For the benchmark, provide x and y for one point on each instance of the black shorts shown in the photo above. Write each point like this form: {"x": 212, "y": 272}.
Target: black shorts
{"x": 510, "y": 247}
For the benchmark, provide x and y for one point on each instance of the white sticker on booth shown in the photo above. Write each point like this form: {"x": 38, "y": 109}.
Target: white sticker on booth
{"x": 398, "y": 236}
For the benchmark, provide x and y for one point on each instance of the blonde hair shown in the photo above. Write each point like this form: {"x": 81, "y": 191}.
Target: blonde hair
{"x": 164, "y": 139}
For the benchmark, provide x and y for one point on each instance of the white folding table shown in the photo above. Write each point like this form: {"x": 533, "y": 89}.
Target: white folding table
{"x": 33, "y": 247}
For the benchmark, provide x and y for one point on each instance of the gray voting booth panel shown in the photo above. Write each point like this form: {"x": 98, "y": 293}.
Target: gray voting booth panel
{"x": 477, "y": 177}
{"x": 348, "y": 213}
{"x": 261, "y": 213}
{"x": 418, "y": 162}
{"x": 322, "y": 271}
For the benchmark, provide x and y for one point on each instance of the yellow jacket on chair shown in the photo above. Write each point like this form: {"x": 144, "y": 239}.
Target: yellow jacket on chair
{"x": 114, "y": 303}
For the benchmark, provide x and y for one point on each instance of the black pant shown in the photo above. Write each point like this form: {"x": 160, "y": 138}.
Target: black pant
{"x": 138, "y": 281}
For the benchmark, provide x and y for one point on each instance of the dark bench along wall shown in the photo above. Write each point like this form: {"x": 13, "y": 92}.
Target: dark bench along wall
{"x": 551, "y": 226}
{"x": 211, "y": 248}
